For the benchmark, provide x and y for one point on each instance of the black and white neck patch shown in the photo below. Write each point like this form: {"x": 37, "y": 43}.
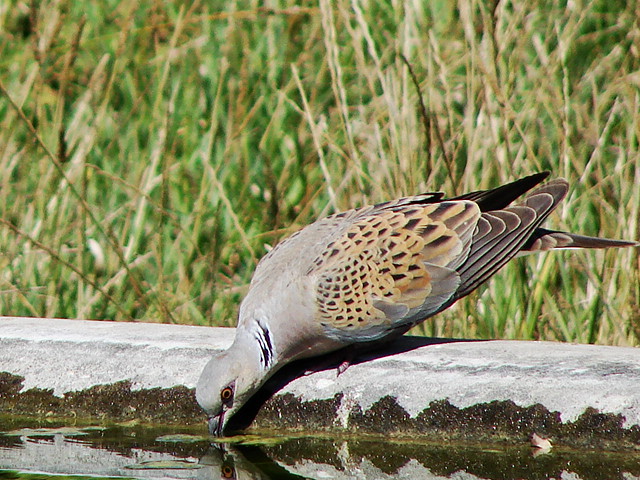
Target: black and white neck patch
{"x": 265, "y": 342}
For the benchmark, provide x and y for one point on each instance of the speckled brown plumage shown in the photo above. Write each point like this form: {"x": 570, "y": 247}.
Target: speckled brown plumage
{"x": 389, "y": 257}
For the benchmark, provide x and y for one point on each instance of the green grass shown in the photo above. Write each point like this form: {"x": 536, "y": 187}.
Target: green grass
{"x": 149, "y": 153}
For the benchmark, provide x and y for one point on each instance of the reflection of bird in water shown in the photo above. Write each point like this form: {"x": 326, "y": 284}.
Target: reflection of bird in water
{"x": 372, "y": 273}
{"x": 243, "y": 462}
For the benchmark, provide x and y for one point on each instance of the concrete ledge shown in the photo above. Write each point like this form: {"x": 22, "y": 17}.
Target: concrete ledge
{"x": 487, "y": 390}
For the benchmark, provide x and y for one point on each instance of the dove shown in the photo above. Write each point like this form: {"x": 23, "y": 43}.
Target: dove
{"x": 369, "y": 274}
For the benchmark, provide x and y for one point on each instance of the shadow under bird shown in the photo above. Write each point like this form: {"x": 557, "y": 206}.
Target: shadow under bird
{"x": 371, "y": 273}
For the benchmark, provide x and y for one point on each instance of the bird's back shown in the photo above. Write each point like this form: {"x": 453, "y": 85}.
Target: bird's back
{"x": 376, "y": 271}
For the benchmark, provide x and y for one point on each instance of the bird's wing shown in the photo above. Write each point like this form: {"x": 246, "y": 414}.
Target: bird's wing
{"x": 400, "y": 263}
{"x": 395, "y": 263}
{"x": 501, "y": 234}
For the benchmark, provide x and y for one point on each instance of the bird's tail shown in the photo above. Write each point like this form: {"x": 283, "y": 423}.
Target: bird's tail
{"x": 514, "y": 230}
{"x": 542, "y": 240}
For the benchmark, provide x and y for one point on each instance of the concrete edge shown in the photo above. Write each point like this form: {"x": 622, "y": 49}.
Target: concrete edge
{"x": 478, "y": 390}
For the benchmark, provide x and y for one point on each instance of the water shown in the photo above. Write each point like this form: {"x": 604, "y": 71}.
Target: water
{"x": 32, "y": 451}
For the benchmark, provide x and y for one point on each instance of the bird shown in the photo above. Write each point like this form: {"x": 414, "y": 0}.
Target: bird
{"x": 367, "y": 275}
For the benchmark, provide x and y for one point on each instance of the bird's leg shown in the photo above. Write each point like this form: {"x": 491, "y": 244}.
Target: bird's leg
{"x": 343, "y": 367}
{"x": 341, "y": 360}
{"x": 346, "y": 356}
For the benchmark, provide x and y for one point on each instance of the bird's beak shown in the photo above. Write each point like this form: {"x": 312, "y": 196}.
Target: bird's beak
{"x": 216, "y": 422}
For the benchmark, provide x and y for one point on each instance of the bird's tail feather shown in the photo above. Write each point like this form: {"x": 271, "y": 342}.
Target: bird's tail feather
{"x": 501, "y": 197}
{"x": 542, "y": 240}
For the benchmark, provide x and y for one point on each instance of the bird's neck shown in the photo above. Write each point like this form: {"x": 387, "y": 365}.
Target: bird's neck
{"x": 255, "y": 349}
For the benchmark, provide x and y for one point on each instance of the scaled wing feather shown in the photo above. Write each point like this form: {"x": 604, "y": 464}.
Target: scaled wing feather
{"x": 392, "y": 267}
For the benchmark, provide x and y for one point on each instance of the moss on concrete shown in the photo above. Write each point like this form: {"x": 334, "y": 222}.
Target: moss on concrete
{"x": 498, "y": 421}
{"x": 114, "y": 402}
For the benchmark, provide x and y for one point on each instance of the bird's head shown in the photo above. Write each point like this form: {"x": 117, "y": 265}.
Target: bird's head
{"x": 228, "y": 380}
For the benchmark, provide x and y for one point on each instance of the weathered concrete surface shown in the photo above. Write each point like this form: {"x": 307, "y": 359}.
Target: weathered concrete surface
{"x": 70, "y": 355}
{"x": 431, "y": 387}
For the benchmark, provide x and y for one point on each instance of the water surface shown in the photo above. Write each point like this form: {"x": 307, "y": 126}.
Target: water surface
{"x": 31, "y": 450}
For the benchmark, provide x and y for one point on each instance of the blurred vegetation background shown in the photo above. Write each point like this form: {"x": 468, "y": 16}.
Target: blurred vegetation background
{"x": 150, "y": 152}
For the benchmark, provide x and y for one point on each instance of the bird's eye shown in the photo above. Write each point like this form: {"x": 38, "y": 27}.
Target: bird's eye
{"x": 228, "y": 472}
{"x": 226, "y": 394}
